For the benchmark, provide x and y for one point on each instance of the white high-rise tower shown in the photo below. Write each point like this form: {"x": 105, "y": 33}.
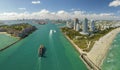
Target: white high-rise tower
{"x": 92, "y": 25}
{"x": 85, "y": 27}
{"x": 77, "y": 27}
{"x": 76, "y": 21}
{"x": 69, "y": 24}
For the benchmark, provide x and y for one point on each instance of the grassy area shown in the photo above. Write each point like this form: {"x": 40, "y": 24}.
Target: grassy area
{"x": 84, "y": 39}
{"x": 21, "y": 30}
{"x": 18, "y": 27}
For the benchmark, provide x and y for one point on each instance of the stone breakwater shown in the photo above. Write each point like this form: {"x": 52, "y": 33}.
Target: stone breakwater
{"x": 101, "y": 48}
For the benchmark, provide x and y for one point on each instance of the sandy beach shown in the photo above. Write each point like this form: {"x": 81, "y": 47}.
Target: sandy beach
{"x": 3, "y": 33}
{"x": 101, "y": 48}
{"x": 7, "y": 34}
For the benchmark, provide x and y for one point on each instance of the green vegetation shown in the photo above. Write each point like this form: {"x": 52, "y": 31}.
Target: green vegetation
{"x": 19, "y": 30}
{"x": 82, "y": 40}
{"x": 18, "y": 27}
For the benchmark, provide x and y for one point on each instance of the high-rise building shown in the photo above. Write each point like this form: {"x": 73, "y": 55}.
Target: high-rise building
{"x": 92, "y": 25}
{"x": 85, "y": 27}
{"x": 69, "y": 24}
{"x": 76, "y": 21}
{"x": 77, "y": 27}
{"x": 80, "y": 24}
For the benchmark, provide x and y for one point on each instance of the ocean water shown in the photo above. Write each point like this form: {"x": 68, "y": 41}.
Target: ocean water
{"x": 59, "y": 55}
{"x": 112, "y": 61}
{"x": 6, "y": 40}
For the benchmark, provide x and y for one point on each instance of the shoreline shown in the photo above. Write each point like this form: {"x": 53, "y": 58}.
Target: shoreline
{"x": 92, "y": 59}
{"x": 4, "y": 33}
{"x": 9, "y": 45}
{"x": 2, "y": 49}
{"x": 8, "y": 34}
{"x": 102, "y": 46}
{"x": 83, "y": 55}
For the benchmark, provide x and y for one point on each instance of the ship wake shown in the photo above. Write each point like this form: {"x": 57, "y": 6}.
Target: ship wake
{"x": 51, "y": 32}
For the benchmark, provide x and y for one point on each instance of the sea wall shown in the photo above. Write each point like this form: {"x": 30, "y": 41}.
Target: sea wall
{"x": 9, "y": 45}
{"x": 2, "y": 49}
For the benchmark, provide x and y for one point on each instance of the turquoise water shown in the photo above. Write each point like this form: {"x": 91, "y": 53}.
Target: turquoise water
{"x": 59, "y": 55}
{"x": 112, "y": 62}
{"x": 6, "y": 40}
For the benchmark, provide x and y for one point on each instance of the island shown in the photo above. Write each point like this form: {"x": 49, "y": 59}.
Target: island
{"x": 21, "y": 30}
{"x": 40, "y": 22}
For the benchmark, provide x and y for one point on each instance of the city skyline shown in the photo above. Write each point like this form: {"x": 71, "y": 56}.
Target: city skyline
{"x": 41, "y": 9}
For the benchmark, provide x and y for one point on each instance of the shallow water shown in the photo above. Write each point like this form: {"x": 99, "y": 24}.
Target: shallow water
{"x": 6, "y": 40}
{"x": 112, "y": 61}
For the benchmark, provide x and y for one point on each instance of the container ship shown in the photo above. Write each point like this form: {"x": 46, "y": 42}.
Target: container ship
{"x": 41, "y": 51}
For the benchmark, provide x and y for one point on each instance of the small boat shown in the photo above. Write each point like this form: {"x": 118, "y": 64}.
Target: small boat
{"x": 41, "y": 51}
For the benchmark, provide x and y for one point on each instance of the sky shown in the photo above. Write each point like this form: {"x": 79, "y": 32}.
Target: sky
{"x": 60, "y": 9}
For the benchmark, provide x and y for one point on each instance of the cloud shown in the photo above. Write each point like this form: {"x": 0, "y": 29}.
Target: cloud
{"x": 22, "y": 9}
{"x": 36, "y": 2}
{"x": 79, "y": 12}
{"x": 114, "y": 3}
{"x": 106, "y": 14}
{"x": 61, "y": 14}
{"x": 44, "y": 11}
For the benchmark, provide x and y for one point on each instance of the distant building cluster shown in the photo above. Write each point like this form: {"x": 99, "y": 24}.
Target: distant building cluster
{"x": 83, "y": 27}
{"x": 105, "y": 24}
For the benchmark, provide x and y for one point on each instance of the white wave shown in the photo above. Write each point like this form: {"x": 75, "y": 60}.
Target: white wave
{"x": 39, "y": 63}
{"x": 115, "y": 40}
{"x": 111, "y": 55}
{"x": 110, "y": 60}
{"x": 110, "y": 48}
{"x": 54, "y": 31}
{"x": 50, "y": 33}
{"x": 115, "y": 45}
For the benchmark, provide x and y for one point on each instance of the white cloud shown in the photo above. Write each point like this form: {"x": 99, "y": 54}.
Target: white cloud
{"x": 61, "y": 12}
{"x": 114, "y": 3}
{"x": 79, "y": 12}
{"x": 46, "y": 14}
{"x": 106, "y": 14}
{"x": 44, "y": 11}
{"x": 36, "y": 2}
{"x": 53, "y": 13}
